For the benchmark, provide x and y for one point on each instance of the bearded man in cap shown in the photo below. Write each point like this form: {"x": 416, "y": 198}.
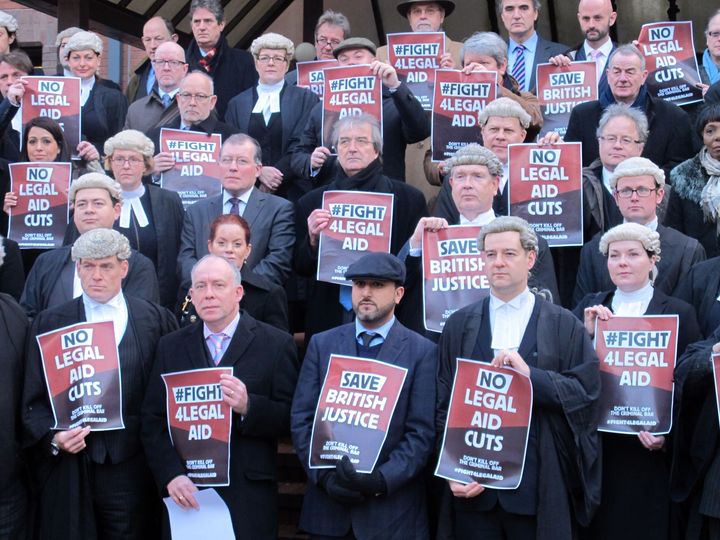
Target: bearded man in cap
{"x": 96, "y": 484}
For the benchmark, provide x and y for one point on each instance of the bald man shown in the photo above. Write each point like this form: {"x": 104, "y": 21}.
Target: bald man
{"x": 156, "y": 31}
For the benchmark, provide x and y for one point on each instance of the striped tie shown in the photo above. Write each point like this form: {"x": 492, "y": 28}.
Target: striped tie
{"x": 216, "y": 340}
{"x": 518, "y": 70}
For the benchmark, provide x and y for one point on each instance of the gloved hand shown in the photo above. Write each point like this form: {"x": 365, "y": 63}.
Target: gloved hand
{"x": 329, "y": 482}
{"x": 371, "y": 485}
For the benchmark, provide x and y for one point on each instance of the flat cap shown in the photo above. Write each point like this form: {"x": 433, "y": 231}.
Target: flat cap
{"x": 404, "y": 7}
{"x": 354, "y": 43}
{"x": 383, "y": 266}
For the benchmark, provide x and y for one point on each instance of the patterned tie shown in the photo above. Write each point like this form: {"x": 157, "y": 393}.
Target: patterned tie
{"x": 216, "y": 346}
{"x": 518, "y": 70}
{"x": 166, "y": 100}
{"x": 234, "y": 206}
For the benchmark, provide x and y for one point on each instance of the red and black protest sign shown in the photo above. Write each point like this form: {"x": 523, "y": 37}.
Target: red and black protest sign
{"x": 457, "y": 102}
{"x": 82, "y": 373}
{"x": 349, "y": 91}
{"x": 199, "y": 422}
{"x": 354, "y": 411}
{"x": 560, "y": 89}
{"x": 415, "y": 57}
{"x": 637, "y": 359}
{"x": 41, "y": 216}
{"x": 310, "y": 75}
{"x": 453, "y": 273}
{"x": 669, "y": 52}
{"x": 545, "y": 189}
{"x": 486, "y": 431}
{"x": 196, "y": 174}
{"x": 57, "y": 98}
{"x": 361, "y": 223}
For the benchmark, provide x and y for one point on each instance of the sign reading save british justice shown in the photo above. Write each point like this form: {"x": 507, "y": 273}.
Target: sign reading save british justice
{"x": 637, "y": 359}
{"x": 199, "y": 422}
{"x": 354, "y": 411}
{"x": 196, "y": 173}
{"x": 669, "y": 52}
{"x": 545, "y": 189}
{"x": 82, "y": 374}
{"x": 349, "y": 91}
{"x": 361, "y": 223}
{"x": 415, "y": 57}
{"x": 487, "y": 427}
{"x": 310, "y": 74}
{"x": 41, "y": 216}
{"x": 457, "y": 102}
{"x": 560, "y": 89}
{"x": 57, "y": 98}
{"x": 453, "y": 273}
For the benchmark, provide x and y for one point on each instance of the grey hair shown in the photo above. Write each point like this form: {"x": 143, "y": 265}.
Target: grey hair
{"x": 272, "y": 40}
{"x": 334, "y": 18}
{"x": 506, "y": 107}
{"x": 101, "y": 243}
{"x": 213, "y": 6}
{"x": 67, "y": 33}
{"x": 649, "y": 239}
{"x": 618, "y": 110}
{"x": 237, "y": 277}
{"x": 637, "y": 166}
{"x": 351, "y": 121}
{"x": 131, "y": 139}
{"x": 528, "y": 238}
{"x": 83, "y": 41}
{"x": 96, "y": 180}
{"x": 475, "y": 154}
{"x": 485, "y": 44}
{"x": 242, "y": 138}
{"x": 628, "y": 49}
{"x": 207, "y": 77}
{"x": 711, "y": 17}
{"x": 498, "y": 5}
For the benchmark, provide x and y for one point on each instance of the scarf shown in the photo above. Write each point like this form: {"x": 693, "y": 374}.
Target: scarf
{"x": 606, "y": 98}
{"x": 206, "y": 62}
{"x": 365, "y": 180}
{"x": 710, "y": 197}
{"x": 711, "y": 67}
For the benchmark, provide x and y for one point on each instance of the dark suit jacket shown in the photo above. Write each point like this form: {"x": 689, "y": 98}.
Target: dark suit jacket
{"x": 137, "y": 85}
{"x": 264, "y": 358}
{"x": 12, "y": 275}
{"x": 271, "y": 221}
{"x": 210, "y": 125}
{"x": 103, "y": 115}
{"x": 678, "y": 254}
{"x": 543, "y": 52}
{"x": 700, "y": 288}
{"x": 406, "y": 450}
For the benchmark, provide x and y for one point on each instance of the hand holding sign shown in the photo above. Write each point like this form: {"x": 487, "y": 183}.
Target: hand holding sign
{"x": 592, "y": 314}
{"x": 433, "y": 224}
{"x": 387, "y": 74}
{"x": 87, "y": 151}
{"x": 465, "y": 491}
{"x": 319, "y": 157}
{"x": 650, "y": 441}
{"x": 72, "y": 441}
{"x": 181, "y": 490}
{"x": 511, "y": 359}
{"x": 16, "y": 91}
{"x": 235, "y": 393}
{"x": 560, "y": 60}
{"x": 164, "y": 161}
{"x": 318, "y": 220}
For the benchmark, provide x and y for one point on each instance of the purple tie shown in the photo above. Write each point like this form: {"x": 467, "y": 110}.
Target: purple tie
{"x": 216, "y": 346}
{"x": 518, "y": 70}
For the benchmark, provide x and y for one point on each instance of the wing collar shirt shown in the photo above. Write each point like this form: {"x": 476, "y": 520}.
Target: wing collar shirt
{"x": 632, "y": 304}
{"x": 114, "y": 310}
{"x": 508, "y": 320}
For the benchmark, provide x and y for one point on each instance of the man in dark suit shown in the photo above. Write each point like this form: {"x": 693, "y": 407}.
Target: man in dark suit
{"x": 103, "y": 475}
{"x": 156, "y": 31}
{"x": 270, "y": 217}
{"x": 560, "y": 486}
{"x": 53, "y": 280}
{"x": 13, "y": 66}
{"x": 526, "y": 49}
{"x": 638, "y": 185}
{"x": 390, "y": 501}
{"x": 259, "y": 392}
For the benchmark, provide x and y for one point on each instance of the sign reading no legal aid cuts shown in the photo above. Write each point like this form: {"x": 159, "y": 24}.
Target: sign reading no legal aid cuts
{"x": 41, "y": 216}
{"x": 349, "y": 91}
{"x": 560, "y": 89}
{"x": 457, "y": 102}
{"x": 354, "y": 411}
{"x": 453, "y": 273}
{"x": 415, "y": 56}
{"x": 57, "y": 98}
{"x": 545, "y": 189}
{"x": 82, "y": 374}
{"x": 310, "y": 75}
{"x": 637, "y": 359}
{"x": 196, "y": 174}
{"x": 199, "y": 422}
{"x": 361, "y": 223}
{"x": 486, "y": 432}
{"x": 669, "y": 52}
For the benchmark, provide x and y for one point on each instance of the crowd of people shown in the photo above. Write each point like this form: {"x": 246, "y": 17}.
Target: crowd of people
{"x": 231, "y": 281}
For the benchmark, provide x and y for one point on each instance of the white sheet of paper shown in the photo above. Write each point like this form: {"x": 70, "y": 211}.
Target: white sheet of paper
{"x": 211, "y": 521}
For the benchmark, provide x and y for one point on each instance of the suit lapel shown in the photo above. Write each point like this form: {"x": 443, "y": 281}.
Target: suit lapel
{"x": 391, "y": 349}
{"x": 254, "y": 205}
{"x": 194, "y": 347}
{"x": 241, "y": 340}
{"x": 657, "y": 303}
{"x": 346, "y": 342}
{"x": 472, "y": 329}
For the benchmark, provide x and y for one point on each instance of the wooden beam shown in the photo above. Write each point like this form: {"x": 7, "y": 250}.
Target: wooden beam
{"x": 237, "y": 19}
{"x": 311, "y": 14}
{"x": 379, "y": 26}
{"x": 552, "y": 16}
{"x": 73, "y": 13}
{"x": 263, "y": 23}
{"x": 492, "y": 15}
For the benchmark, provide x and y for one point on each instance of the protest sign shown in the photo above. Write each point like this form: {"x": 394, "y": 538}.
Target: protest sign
{"x": 354, "y": 411}
{"x": 560, "y": 89}
{"x": 453, "y": 273}
{"x": 41, "y": 216}
{"x": 457, "y": 102}
{"x": 82, "y": 374}
{"x": 545, "y": 189}
{"x": 637, "y": 360}
{"x": 310, "y": 74}
{"x": 57, "y": 98}
{"x": 196, "y": 174}
{"x": 415, "y": 57}
{"x": 361, "y": 223}
{"x": 488, "y": 422}
{"x": 199, "y": 422}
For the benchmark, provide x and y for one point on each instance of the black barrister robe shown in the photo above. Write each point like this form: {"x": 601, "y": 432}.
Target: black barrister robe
{"x": 700, "y": 287}
{"x": 567, "y": 442}
{"x": 65, "y": 494}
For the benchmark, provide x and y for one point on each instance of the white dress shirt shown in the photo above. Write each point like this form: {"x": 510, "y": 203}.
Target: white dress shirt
{"x": 132, "y": 204}
{"x": 632, "y": 304}
{"x": 268, "y": 99}
{"x": 114, "y": 310}
{"x": 508, "y": 320}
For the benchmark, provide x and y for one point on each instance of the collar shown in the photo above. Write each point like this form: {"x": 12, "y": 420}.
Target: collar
{"x": 270, "y": 88}
{"x": 516, "y": 303}
{"x": 634, "y": 296}
{"x": 244, "y": 197}
{"x": 383, "y": 331}
{"x": 67, "y": 72}
{"x": 530, "y": 43}
{"x": 87, "y": 84}
{"x": 606, "y": 48}
{"x": 481, "y": 219}
{"x": 229, "y": 330}
{"x": 606, "y": 174}
{"x": 171, "y": 93}
{"x": 632, "y": 304}
{"x": 652, "y": 225}
{"x": 135, "y": 193}
{"x": 114, "y": 302}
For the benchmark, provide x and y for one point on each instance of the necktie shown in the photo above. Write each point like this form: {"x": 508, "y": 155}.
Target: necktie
{"x": 367, "y": 338}
{"x": 216, "y": 346}
{"x": 346, "y": 297}
{"x": 596, "y": 56}
{"x": 235, "y": 206}
{"x": 166, "y": 99}
{"x": 518, "y": 70}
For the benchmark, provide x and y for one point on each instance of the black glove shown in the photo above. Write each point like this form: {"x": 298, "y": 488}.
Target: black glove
{"x": 371, "y": 485}
{"x": 329, "y": 482}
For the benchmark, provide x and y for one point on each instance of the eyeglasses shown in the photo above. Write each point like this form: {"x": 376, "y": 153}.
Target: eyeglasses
{"x": 264, "y": 59}
{"x": 133, "y": 161}
{"x": 170, "y": 63}
{"x": 187, "y": 96}
{"x": 229, "y": 161}
{"x": 324, "y": 42}
{"x": 714, "y": 34}
{"x": 624, "y": 141}
{"x": 626, "y": 193}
